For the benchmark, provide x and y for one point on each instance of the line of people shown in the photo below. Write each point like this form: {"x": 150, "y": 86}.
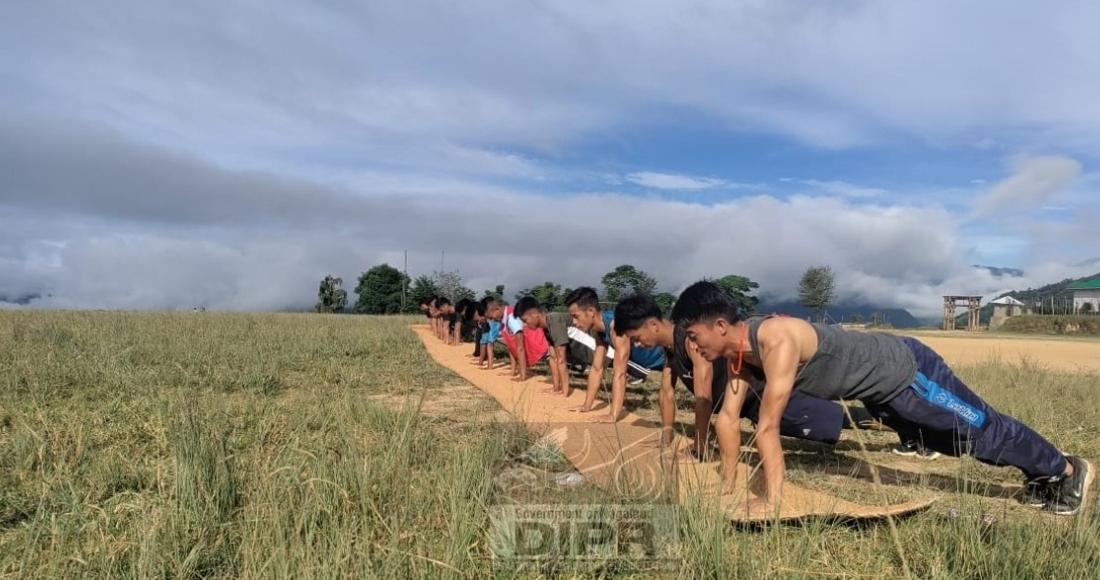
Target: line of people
{"x": 787, "y": 376}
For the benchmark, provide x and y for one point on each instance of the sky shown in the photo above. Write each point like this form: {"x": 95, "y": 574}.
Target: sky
{"x": 166, "y": 155}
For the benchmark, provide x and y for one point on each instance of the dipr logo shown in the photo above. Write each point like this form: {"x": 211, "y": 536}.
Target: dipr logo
{"x": 533, "y": 535}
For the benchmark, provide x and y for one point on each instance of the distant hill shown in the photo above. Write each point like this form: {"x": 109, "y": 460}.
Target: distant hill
{"x": 22, "y": 299}
{"x": 898, "y": 317}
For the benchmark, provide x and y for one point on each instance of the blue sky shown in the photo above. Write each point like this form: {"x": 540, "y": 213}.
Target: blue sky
{"x": 232, "y": 154}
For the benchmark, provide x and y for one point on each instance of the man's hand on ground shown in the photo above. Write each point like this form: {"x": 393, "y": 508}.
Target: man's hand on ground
{"x": 605, "y": 418}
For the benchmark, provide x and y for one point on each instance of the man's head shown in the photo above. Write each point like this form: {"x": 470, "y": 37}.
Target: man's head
{"x": 529, "y": 310}
{"x": 584, "y": 307}
{"x": 494, "y": 308}
{"x": 707, "y": 314}
{"x": 639, "y": 318}
{"x": 460, "y": 306}
{"x": 426, "y": 303}
{"x": 444, "y": 305}
{"x": 474, "y": 312}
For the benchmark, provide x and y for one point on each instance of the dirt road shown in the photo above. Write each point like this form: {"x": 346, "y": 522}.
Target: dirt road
{"x": 1055, "y": 353}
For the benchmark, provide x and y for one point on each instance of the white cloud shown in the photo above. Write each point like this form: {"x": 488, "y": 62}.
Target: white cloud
{"x": 374, "y": 130}
{"x": 830, "y": 74}
{"x": 1034, "y": 180}
{"x": 673, "y": 181}
{"x": 112, "y": 224}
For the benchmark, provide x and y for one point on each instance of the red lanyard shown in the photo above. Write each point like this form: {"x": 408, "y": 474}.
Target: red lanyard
{"x": 741, "y": 350}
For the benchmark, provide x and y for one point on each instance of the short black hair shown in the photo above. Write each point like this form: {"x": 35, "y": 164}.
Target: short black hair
{"x": 444, "y": 301}
{"x": 472, "y": 309}
{"x": 705, "y": 301}
{"x": 583, "y": 297}
{"x": 427, "y": 301}
{"x": 524, "y": 304}
{"x": 489, "y": 301}
{"x": 460, "y": 306}
{"x": 632, "y": 312}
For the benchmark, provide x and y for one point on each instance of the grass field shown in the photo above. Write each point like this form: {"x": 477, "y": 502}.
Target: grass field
{"x": 234, "y": 445}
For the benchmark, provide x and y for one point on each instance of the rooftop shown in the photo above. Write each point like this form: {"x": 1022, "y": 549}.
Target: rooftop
{"x": 1093, "y": 284}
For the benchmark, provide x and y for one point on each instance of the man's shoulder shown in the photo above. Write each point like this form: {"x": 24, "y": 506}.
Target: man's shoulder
{"x": 559, "y": 317}
{"x": 783, "y": 327}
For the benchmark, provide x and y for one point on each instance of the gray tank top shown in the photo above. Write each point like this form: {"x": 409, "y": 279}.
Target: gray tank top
{"x": 866, "y": 366}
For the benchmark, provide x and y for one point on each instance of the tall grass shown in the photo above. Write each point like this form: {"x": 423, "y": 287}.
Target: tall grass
{"x": 224, "y": 445}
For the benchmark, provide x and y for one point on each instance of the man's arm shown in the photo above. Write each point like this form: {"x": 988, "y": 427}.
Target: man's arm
{"x": 595, "y": 376}
{"x": 558, "y": 373}
{"x": 667, "y": 401}
{"x": 521, "y": 355}
{"x": 552, "y": 362}
{"x": 779, "y": 354}
{"x": 618, "y": 377}
{"x": 458, "y": 332}
{"x": 727, "y": 427}
{"x": 703, "y": 371}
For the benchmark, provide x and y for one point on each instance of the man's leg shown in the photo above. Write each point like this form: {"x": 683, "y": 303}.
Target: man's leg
{"x": 805, "y": 417}
{"x": 950, "y": 418}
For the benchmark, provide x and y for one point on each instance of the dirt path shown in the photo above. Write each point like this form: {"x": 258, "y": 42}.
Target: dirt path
{"x": 1055, "y": 353}
{"x": 626, "y": 455}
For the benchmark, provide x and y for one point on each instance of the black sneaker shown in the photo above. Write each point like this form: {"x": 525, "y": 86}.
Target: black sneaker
{"x": 1069, "y": 494}
{"x": 1037, "y": 492}
{"x": 914, "y": 449}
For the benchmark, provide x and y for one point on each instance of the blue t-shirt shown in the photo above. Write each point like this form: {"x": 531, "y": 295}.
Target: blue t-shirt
{"x": 493, "y": 334}
{"x": 650, "y": 358}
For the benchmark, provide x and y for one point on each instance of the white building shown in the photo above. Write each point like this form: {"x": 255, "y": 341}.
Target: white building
{"x": 1087, "y": 292}
{"x": 1004, "y": 308}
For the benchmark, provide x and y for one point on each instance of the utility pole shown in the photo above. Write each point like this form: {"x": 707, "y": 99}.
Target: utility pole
{"x": 405, "y": 282}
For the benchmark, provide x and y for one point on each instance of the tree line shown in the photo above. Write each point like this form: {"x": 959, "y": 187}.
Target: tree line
{"x": 384, "y": 289}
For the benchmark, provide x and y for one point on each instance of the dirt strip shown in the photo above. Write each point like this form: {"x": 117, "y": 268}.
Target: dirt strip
{"x": 626, "y": 456}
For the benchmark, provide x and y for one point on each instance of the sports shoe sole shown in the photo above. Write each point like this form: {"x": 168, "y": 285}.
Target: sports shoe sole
{"x": 1089, "y": 477}
{"x": 927, "y": 457}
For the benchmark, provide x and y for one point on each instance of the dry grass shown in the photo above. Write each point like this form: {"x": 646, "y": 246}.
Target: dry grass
{"x": 224, "y": 445}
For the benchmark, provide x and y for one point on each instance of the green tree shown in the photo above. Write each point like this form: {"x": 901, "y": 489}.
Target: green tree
{"x": 497, "y": 293}
{"x": 380, "y": 290}
{"x": 331, "y": 296}
{"x": 741, "y": 288}
{"x": 817, "y": 289}
{"x": 450, "y": 285}
{"x": 423, "y": 287}
{"x": 665, "y": 300}
{"x": 626, "y": 280}
{"x": 547, "y": 294}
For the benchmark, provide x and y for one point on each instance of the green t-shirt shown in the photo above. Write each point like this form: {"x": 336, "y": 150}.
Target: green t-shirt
{"x": 558, "y": 327}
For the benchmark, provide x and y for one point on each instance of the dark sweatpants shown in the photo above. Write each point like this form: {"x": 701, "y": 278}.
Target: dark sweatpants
{"x": 806, "y": 417}
{"x": 942, "y": 413}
